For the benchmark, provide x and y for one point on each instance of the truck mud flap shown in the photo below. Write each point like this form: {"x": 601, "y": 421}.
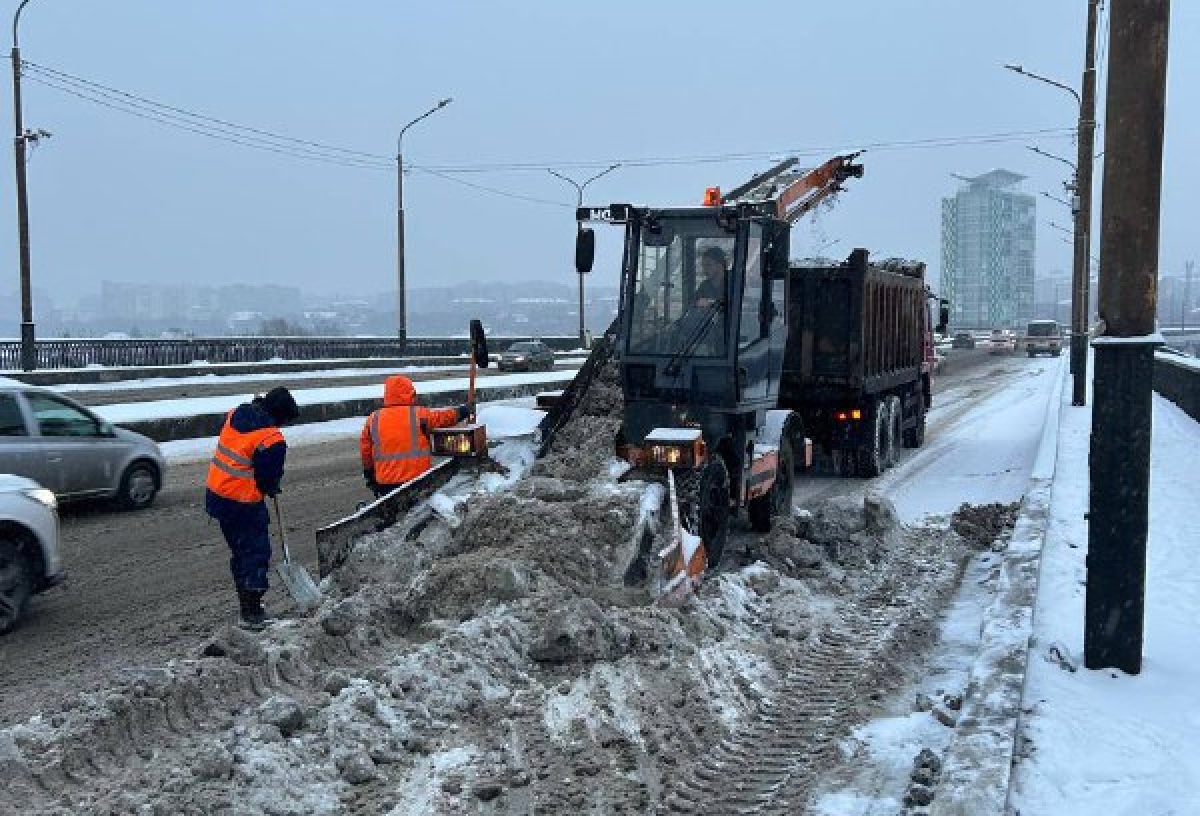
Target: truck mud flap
{"x": 336, "y": 541}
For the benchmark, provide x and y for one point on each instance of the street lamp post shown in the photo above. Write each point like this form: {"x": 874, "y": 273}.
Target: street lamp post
{"x": 1083, "y": 213}
{"x": 401, "y": 304}
{"x": 579, "y": 188}
{"x": 20, "y": 140}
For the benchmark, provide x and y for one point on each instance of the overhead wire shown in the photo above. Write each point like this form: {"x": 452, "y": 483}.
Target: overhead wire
{"x": 141, "y": 101}
{"x": 225, "y": 130}
{"x": 658, "y": 161}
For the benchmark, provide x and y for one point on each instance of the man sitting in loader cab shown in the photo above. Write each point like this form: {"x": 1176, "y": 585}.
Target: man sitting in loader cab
{"x": 714, "y": 269}
{"x": 394, "y": 445}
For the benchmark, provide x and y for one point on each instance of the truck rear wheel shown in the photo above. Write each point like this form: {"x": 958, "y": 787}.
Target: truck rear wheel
{"x": 778, "y": 500}
{"x": 871, "y": 454}
{"x": 893, "y": 431}
{"x": 914, "y": 437}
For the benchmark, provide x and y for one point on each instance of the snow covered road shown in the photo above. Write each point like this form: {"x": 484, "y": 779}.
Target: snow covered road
{"x": 982, "y": 438}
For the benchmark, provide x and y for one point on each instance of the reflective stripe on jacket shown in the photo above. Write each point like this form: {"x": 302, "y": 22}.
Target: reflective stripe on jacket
{"x": 395, "y": 439}
{"x": 231, "y": 471}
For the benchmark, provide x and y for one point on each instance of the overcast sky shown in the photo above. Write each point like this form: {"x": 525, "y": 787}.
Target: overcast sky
{"x": 548, "y": 84}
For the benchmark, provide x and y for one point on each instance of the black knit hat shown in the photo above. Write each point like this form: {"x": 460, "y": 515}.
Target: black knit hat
{"x": 281, "y": 405}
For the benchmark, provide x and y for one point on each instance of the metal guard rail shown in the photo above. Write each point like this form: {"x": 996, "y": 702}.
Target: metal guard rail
{"x": 80, "y": 353}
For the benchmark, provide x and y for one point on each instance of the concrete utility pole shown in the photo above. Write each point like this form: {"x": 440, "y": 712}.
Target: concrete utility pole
{"x": 1120, "y": 442}
{"x": 1082, "y": 211}
{"x": 579, "y": 188}
{"x": 28, "y": 344}
{"x": 1080, "y": 309}
{"x": 401, "y": 304}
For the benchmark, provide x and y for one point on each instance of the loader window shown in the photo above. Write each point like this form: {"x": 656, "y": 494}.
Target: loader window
{"x": 674, "y": 307}
{"x": 755, "y": 320}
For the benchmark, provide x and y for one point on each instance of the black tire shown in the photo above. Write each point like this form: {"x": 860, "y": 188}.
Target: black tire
{"x": 871, "y": 461}
{"x": 16, "y": 585}
{"x": 914, "y": 437}
{"x": 139, "y": 486}
{"x": 893, "y": 442}
{"x": 706, "y": 496}
{"x": 778, "y": 500}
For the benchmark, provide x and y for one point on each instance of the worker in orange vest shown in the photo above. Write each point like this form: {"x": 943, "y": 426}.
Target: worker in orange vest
{"x": 394, "y": 445}
{"x": 246, "y": 466}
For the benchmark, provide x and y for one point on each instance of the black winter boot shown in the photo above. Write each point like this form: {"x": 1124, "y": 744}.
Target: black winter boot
{"x": 254, "y": 616}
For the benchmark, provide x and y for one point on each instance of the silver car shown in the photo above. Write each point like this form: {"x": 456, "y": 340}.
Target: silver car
{"x": 29, "y": 559}
{"x": 66, "y": 448}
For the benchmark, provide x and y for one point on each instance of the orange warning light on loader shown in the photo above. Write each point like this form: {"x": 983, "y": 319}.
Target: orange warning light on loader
{"x": 712, "y": 197}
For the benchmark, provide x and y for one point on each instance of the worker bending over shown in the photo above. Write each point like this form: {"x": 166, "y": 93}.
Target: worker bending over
{"x": 247, "y": 465}
{"x": 394, "y": 445}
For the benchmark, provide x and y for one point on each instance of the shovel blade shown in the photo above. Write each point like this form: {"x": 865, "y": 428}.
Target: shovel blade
{"x": 300, "y": 585}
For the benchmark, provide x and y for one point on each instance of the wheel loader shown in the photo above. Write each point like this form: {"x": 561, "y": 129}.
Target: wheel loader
{"x": 701, "y": 339}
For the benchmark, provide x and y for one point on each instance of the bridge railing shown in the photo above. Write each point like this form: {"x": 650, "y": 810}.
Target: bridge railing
{"x": 1178, "y": 379}
{"x": 80, "y": 353}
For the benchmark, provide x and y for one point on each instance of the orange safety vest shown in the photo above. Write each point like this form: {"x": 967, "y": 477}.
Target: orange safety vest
{"x": 396, "y": 441}
{"x": 231, "y": 471}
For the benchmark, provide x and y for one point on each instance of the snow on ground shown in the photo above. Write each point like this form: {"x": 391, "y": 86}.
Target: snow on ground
{"x": 287, "y": 376}
{"x": 1103, "y": 741}
{"x": 164, "y": 409}
{"x": 284, "y": 376}
{"x": 882, "y": 750}
{"x": 983, "y": 455}
{"x": 504, "y": 418}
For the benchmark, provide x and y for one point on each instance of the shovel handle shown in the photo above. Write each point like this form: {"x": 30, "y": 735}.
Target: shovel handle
{"x": 287, "y": 558}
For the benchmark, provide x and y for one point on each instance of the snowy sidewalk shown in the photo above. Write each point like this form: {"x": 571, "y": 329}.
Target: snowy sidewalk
{"x": 1103, "y": 742}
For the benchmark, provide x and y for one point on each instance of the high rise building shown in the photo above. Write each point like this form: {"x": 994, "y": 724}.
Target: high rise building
{"x": 988, "y": 241}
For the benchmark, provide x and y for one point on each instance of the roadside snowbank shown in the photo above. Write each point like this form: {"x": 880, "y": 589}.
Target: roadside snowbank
{"x": 1102, "y": 741}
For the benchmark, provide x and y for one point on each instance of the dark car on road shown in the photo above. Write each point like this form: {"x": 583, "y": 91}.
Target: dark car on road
{"x": 963, "y": 340}
{"x": 527, "y": 355}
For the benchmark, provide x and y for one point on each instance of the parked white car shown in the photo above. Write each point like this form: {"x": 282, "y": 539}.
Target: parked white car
{"x": 29, "y": 557}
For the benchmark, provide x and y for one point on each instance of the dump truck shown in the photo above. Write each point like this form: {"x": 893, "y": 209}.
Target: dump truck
{"x": 858, "y": 364}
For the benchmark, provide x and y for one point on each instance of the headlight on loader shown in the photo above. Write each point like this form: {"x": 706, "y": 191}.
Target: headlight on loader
{"x": 675, "y": 447}
{"x": 460, "y": 441}
{"x": 668, "y": 455}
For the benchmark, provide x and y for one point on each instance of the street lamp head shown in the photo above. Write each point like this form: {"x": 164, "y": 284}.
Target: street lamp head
{"x": 444, "y": 102}
{"x": 1020, "y": 69}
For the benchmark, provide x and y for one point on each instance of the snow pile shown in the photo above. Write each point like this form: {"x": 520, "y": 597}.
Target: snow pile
{"x": 501, "y": 654}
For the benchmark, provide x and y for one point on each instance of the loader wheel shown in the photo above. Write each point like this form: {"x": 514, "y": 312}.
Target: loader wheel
{"x": 872, "y": 456}
{"x": 705, "y": 497}
{"x": 778, "y": 500}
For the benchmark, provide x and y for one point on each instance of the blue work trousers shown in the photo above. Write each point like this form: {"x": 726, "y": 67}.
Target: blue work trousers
{"x": 250, "y": 549}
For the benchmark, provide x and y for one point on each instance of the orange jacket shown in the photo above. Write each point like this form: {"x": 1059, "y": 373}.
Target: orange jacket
{"x": 231, "y": 473}
{"x": 395, "y": 439}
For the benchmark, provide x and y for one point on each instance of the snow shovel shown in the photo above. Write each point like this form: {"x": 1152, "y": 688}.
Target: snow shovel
{"x": 294, "y": 576}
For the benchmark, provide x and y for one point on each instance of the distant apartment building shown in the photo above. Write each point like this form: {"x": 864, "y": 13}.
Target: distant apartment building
{"x": 988, "y": 242}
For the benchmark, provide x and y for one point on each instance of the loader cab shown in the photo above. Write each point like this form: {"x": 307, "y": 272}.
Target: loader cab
{"x": 703, "y": 318}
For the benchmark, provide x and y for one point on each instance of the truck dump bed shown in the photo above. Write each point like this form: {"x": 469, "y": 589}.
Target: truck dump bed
{"x": 854, "y": 328}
